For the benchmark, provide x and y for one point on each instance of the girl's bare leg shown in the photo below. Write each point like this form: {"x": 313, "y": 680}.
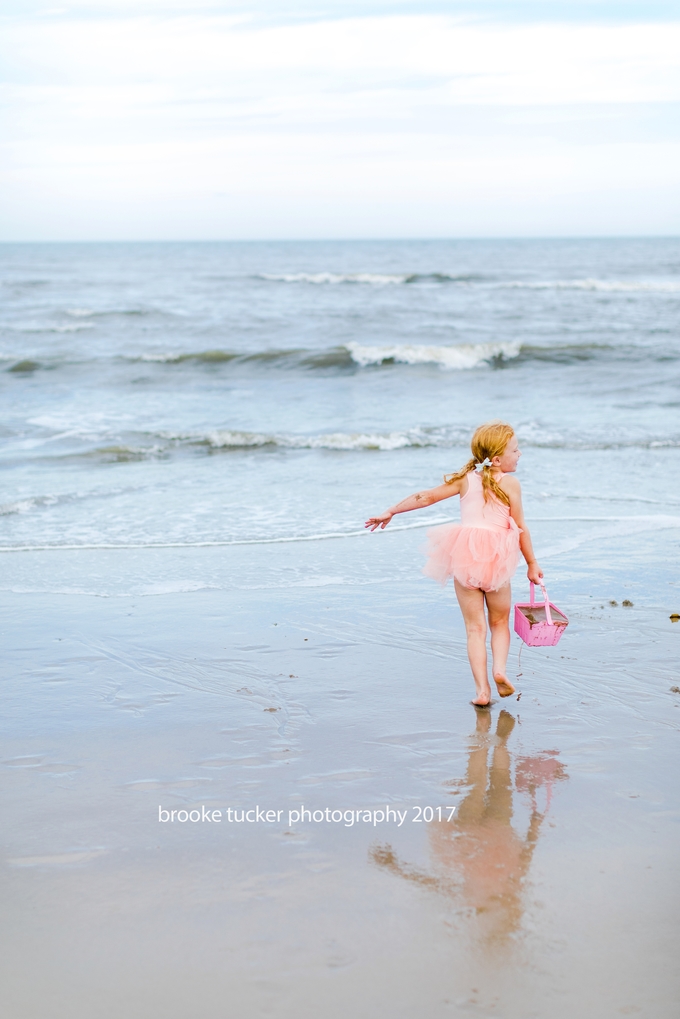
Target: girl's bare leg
{"x": 498, "y": 604}
{"x": 472, "y": 606}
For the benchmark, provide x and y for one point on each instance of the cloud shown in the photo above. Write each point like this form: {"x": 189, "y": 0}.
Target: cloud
{"x": 477, "y": 63}
{"x": 218, "y": 120}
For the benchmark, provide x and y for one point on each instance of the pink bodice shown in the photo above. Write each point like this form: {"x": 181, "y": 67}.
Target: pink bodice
{"x": 474, "y": 512}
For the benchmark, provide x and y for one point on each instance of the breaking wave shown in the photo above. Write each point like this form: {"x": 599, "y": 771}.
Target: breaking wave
{"x": 606, "y": 286}
{"x": 47, "y": 327}
{"x": 26, "y": 505}
{"x": 147, "y": 446}
{"x": 37, "y": 502}
{"x": 335, "y": 440}
{"x": 375, "y": 278}
{"x": 379, "y": 279}
{"x": 355, "y": 355}
{"x": 206, "y": 356}
{"x": 443, "y": 437}
{"x": 396, "y": 279}
{"x": 462, "y": 356}
{"x": 452, "y": 357}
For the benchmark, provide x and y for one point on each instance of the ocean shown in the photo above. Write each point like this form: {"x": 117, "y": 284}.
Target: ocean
{"x": 195, "y": 393}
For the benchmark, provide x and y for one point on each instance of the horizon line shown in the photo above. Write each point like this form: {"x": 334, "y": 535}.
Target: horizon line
{"x": 348, "y": 240}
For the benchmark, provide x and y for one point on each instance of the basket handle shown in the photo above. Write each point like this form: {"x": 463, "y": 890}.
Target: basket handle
{"x": 548, "y": 616}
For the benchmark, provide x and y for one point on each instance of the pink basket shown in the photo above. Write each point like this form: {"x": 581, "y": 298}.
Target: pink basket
{"x": 539, "y": 625}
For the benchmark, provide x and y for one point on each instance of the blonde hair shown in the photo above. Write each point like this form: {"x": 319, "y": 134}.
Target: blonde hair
{"x": 489, "y": 440}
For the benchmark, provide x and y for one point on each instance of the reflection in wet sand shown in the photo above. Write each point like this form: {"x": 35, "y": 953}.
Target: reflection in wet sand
{"x": 479, "y": 856}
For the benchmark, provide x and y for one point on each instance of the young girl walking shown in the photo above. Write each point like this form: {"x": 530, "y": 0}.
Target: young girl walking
{"x": 482, "y": 552}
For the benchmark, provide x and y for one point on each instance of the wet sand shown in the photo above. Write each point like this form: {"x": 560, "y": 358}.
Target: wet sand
{"x": 551, "y": 889}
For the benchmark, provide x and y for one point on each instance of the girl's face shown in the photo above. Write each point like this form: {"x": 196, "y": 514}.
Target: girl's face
{"x": 510, "y": 457}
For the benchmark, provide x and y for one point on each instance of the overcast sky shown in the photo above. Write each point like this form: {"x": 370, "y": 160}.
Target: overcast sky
{"x": 154, "y": 120}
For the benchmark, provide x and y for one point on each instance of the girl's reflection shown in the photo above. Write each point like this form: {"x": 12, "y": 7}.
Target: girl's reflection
{"x": 479, "y": 855}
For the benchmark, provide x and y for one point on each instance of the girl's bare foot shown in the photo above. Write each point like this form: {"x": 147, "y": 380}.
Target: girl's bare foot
{"x": 503, "y": 685}
{"x": 482, "y": 700}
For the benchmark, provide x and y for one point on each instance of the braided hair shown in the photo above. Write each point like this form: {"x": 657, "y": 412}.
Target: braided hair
{"x": 489, "y": 440}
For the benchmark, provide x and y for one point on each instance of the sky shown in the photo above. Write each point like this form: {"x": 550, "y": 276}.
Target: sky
{"x": 156, "y": 120}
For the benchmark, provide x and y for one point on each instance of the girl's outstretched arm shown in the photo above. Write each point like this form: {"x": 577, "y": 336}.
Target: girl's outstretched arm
{"x": 417, "y": 501}
{"x": 513, "y": 490}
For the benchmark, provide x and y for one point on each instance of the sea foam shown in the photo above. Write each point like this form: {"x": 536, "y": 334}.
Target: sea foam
{"x": 461, "y": 357}
{"x": 395, "y": 279}
{"x": 606, "y": 286}
{"x": 335, "y": 440}
{"x": 375, "y": 278}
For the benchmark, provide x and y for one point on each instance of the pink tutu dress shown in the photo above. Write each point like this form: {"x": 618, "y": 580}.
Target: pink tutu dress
{"x": 482, "y": 551}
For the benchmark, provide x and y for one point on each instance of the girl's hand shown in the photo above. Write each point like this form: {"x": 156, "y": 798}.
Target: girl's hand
{"x": 381, "y": 521}
{"x": 534, "y": 572}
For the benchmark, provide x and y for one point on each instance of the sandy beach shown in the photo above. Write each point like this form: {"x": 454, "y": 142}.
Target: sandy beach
{"x": 550, "y": 889}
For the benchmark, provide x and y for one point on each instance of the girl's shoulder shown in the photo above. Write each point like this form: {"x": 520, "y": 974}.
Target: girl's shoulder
{"x": 457, "y": 487}
{"x": 510, "y": 484}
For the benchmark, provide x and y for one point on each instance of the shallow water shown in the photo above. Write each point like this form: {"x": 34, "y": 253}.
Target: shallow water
{"x": 193, "y": 619}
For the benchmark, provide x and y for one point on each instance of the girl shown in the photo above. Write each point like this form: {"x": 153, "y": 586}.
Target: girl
{"x": 482, "y": 552}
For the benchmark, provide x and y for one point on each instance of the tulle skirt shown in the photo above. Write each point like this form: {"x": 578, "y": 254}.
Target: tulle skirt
{"x": 478, "y": 558}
